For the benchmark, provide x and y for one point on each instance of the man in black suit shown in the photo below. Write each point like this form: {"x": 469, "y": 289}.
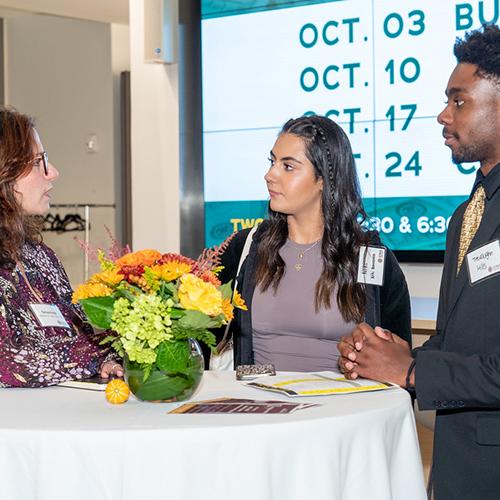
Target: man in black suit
{"x": 457, "y": 372}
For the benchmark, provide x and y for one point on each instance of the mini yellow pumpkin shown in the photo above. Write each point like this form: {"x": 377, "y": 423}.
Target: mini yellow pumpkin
{"x": 117, "y": 391}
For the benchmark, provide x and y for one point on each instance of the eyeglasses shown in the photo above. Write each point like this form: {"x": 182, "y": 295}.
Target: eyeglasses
{"x": 44, "y": 159}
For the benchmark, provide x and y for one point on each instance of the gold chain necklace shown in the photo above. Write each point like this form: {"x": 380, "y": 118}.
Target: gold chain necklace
{"x": 298, "y": 265}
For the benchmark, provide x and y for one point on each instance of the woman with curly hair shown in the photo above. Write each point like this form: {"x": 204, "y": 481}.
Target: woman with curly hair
{"x": 300, "y": 278}
{"x": 44, "y": 339}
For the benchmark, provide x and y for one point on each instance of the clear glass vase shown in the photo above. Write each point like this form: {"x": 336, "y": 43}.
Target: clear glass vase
{"x": 171, "y": 384}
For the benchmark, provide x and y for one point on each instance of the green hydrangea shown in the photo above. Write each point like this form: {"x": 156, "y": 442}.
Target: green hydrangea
{"x": 142, "y": 325}
{"x": 137, "y": 352}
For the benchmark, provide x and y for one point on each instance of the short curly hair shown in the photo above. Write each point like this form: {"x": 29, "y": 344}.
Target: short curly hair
{"x": 482, "y": 48}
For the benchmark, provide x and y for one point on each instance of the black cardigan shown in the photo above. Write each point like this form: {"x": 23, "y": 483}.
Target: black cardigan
{"x": 387, "y": 306}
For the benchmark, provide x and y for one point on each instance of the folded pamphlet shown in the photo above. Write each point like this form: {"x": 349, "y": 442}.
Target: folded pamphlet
{"x": 234, "y": 405}
{"x": 318, "y": 384}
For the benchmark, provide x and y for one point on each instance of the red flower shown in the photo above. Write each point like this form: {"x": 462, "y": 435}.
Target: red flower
{"x": 128, "y": 271}
{"x": 208, "y": 277}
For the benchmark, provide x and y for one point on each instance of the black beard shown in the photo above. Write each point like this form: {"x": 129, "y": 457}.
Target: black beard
{"x": 466, "y": 154}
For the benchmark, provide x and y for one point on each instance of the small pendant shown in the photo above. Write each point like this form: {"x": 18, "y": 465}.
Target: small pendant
{"x": 301, "y": 255}
{"x": 298, "y": 266}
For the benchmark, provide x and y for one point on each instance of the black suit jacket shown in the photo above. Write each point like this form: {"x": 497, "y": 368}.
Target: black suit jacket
{"x": 387, "y": 306}
{"x": 458, "y": 372}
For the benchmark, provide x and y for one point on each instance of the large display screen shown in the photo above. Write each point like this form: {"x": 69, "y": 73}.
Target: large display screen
{"x": 379, "y": 68}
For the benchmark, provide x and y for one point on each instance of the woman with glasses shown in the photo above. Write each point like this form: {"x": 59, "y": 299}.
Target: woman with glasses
{"x": 301, "y": 278}
{"x": 44, "y": 339}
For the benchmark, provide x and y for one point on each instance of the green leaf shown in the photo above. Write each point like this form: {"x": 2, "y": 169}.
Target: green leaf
{"x": 147, "y": 372}
{"x": 176, "y": 313}
{"x": 166, "y": 289}
{"x": 204, "y": 336}
{"x": 175, "y": 294}
{"x": 108, "y": 339}
{"x": 157, "y": 387}
{"x": 123, "y": 292}
{"x": 196, "y": 320}
{"x": 226, "y": 290}
{"x": 99, "y": 311}
{"x": 169, "y": 287}
{"x": 173, "y": 356}
{"x": 118, "y": 347}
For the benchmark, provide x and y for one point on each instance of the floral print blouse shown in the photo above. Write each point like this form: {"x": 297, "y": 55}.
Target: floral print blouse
{"x": 35, "y": 356}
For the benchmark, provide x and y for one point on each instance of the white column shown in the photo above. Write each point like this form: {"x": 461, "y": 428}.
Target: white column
{"x": 155, "y": 145}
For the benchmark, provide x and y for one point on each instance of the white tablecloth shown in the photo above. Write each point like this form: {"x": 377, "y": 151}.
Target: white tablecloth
{"x": 70, "y": 444}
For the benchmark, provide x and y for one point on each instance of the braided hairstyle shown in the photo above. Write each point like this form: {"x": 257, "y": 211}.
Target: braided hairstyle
{"x": 328, "y": 149}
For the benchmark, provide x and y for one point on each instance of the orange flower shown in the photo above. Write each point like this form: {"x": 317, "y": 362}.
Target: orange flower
{"x": 108, "y": 277}
{"x": 210, "y": 277}
{"x": 238, "y": 301}
{"x": 90, "y": 290}
{"x": 175, "y": 257}
{"x": 227, "y": 309}
{"x": 171, "y": 270}
{"x": 143, "y": 257}
{"x": 141, "y": 282}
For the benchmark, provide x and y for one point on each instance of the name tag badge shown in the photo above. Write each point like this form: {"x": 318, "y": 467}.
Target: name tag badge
{"x": 48, "y": 315}
{"x": 371, "y": 265}
{"x": 483, "y": 262}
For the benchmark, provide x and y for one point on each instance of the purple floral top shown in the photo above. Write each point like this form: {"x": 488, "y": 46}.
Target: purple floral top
{"x": 35, "y": 356}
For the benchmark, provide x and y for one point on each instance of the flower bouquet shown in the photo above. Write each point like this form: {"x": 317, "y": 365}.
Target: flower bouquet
{"x": 156, "y": 307}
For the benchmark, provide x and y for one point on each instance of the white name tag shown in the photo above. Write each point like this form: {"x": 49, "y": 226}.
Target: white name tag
{"x": 371, "y": 265}
{"x": 484, "y": 261}
{"x": 48, "y": 315}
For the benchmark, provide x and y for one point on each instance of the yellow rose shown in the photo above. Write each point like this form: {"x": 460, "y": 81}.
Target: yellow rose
{"x": 195, "y": 294}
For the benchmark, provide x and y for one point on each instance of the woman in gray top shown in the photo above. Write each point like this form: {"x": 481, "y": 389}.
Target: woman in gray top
{"x": 299, "y": 279}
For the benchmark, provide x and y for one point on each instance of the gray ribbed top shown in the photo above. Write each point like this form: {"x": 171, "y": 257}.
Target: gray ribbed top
{"x": 286, "y": 329}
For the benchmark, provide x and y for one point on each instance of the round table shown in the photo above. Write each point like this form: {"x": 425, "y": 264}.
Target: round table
{"x": 60, "y": 443}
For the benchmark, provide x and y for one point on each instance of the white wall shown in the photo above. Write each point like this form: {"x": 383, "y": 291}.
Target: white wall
{"x": 110, "y": 11}
{"x": 59, "y": 70}
{"x": 423, "y": 279}
{"x": 155, "y": 145}
{"x": 120, "y": 61}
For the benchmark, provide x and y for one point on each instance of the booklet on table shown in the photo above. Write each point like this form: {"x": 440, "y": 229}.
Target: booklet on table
{"x": 95, "y": 383}
{"x": 318, "y": 384}
{"x": 237, "y": 405}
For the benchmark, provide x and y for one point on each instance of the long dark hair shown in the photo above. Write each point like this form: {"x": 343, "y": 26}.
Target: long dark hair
{"x": 328, "y": 149}
{"x": 16, "y": 152}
